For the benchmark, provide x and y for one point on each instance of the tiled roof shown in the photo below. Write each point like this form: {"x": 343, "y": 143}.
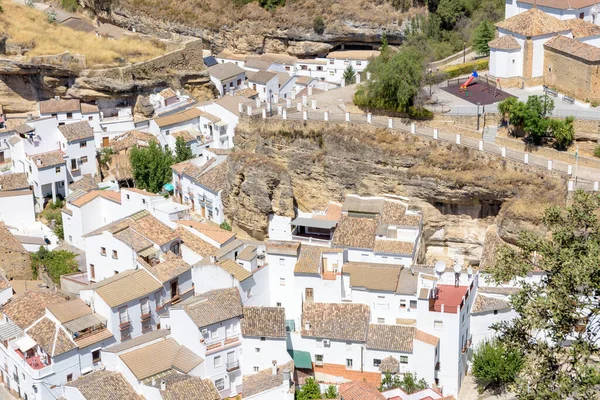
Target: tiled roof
{"x": 393, "y": 247}
{"x": 9, "y": 241}
{"x": 187, "y": 135}
{"x": 50, "y": 337}
{"x": 133, "y": 240}
{"x": 373, "y": 276}
{"x": 56, "y": 106}
{"x": 389, "y": 364}
{"x": 392, "y": 212}
{"x": 105, "y": 194}
{"x": 353, "y": 54}
{"x": 231, "y": 103}
{"x": 182, "y": 116}
{"x": 574, "y": 48}
{"x": 265, "y": 380}
{"x": 261, "y": 77}
{"x": 160, "y": 357}
{"x": 21, "y": 129}
{"x": 498, "y": 290}
{"x": 363, "y": 205}
{"x": 355, "y": 232}
{"x": 89, "y": 108}
{"x": 561, "y": 4}
{"x": 304, "y": 80}
{"x": 533, "y": 22}
{"x": 486, "y": 303}
{"x": 283, "y": 248}
{"x": 130, "y": 139}
{"x": 506, "y": 42}
{"x": 194, "y": 243}
{"x": 215, "y": 179}
{"x": 358, "y": 390}
{"x": 279, "y": 58}
{"x": 172, "y": 267}
{"x": 138, "y": 341}
{"x": 213, "y": 306}
{"x": 247, "y": 93}
{"x": 225, "y": 71}
{"x": 391, "y": 337}
{"x": 190, "y": 169}
{"x": 49, "y": 159}
{"x": 211, "y": 230}
{"x": 310, "y": 259}
{"x": 25, "y": 309}
{"x": 70, "y": 310}
{"x": 96, "y": 337}
{"x": 104, "y": 385}
{"x": 167, "y": 93}
{"x": 248, "y": 254}
{"x": 86, "y": 183}
{"x": 126, "y": 286}
{"x": 76, "y": 131}
{"x": 341, "y": 321}
{"x": 183, "y": 387}
{"x": 13, "y": 181}
{"x": 264, "y": 321}
{"x": 427, "y": 338}
{"x": 407, "y": 282}
{"x": 236, "y": 270}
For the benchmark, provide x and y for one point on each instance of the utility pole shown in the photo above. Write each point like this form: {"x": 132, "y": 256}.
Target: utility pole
{"x": 478, "y": 114}
{"x": 464, "y": 52}
{"x": 576, "y": 161}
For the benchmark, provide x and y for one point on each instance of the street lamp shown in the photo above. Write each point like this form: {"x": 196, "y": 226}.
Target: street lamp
{"x": 430, "y": 79}
{"x": 478, "y": 104}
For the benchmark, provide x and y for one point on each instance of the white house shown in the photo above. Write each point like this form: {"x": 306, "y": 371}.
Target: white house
{"x": 183, "y": 123}
{"x": 77, "y": 141}
{"x": 562, "y": 9}
{"x": 312, "y": 68}
{"x": 112, "y": 384}
{"x": 16, "y": 201}
{"x": 209, "y": 325}
{"x": 266, "y": 83}
{"x": 339, "y": 61}
{"x": 488, "y": 309}
{"x": 227, "y": 77}
{"x": 227, "y": 110}
{"x": 4, "y": 145}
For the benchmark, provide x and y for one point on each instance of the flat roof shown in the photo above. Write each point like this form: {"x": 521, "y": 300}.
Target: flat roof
{"x": 314, "y": 223}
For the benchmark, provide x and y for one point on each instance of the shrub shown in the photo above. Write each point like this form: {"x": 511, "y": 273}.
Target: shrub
{"x": 69, "y": 5}
{"x": 597, "y": 151}
{"x": 466, "y": 68}
{"x": 495, "y": 365}
{"x": 419, "y": 113}
{"x": 270, "y": 5}
{"x": 225, "y": 225}
{"x": 319, "y": 25}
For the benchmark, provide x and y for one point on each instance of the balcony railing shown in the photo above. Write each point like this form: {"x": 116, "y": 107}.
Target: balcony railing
{"x": 125, "y": 323}
{"x": 319, "y": 363}
{"x": 232, "y": 366}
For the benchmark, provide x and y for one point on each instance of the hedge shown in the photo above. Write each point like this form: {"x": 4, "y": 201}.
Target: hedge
{"x": 466, "y": 68}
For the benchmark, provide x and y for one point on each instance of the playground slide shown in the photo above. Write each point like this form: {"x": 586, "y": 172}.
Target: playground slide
{"x": 467, "y": 83}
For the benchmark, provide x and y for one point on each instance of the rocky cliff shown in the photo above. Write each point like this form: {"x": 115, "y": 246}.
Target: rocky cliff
{"x": 461, "y": 192}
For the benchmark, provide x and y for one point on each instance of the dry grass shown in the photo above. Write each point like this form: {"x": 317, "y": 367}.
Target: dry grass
{"x": 30, "y": 28}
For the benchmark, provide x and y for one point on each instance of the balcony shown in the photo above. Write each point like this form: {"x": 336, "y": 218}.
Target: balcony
{"x": 125, "y": 324}
{"x": 146, "y": 315}
{"x": 231, "y": 366}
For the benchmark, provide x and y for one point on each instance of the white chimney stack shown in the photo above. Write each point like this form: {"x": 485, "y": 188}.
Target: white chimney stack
{"x": 286, "y": 376}
{"x": 213, "y": 259}
{"x": 163, "y": 385}
{"x": 274, "y": 368}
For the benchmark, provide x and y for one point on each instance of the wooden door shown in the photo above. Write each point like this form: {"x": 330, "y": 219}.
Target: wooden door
{"x": 105, "y": 142}
{"x": 310, "y": 295}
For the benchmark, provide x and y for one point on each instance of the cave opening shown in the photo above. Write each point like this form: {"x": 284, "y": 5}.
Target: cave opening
{"x": 477, "y": 208}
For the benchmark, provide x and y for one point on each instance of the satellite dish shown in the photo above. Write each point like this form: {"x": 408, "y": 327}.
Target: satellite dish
{"x": 440, "y": 267}
{"x": 457, "y": 268}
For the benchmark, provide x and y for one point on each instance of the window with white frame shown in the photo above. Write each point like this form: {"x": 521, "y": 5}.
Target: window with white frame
{"x": 214, "y": 334}
{"x": 217, "y": 361}
{"x": 220, "y": 384}
{"x": 381, "y": 320}
{"x": 281, "y": 281}
{"x": 349, "y": 363}
{"x": 403, "y": 359}
{"x": 376, "y": 362}
{"x": 403, "y": 304}
{"x": 438, "y": 325}
{"x": 282, "y": 262}
{"x": 256, "y": 369}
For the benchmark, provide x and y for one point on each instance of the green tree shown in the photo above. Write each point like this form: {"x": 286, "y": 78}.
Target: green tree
{"x": 70, "y": 5}
{"x": 225, "y": 226}
{"x": 310, "y": 390}
{"x": 319, "y": 25}
{"x": 530, "y": 117}
{"x": 106, "y": 156}
{"x": 56, "y": 263}
{"x": 151, "y": 167}
{"x": 408, "y": 382}
{"x": 494, "y": 365}
{"x": 556, "y": 328}
{"x": 597, "y": 151}
{"x": 271, "y": 5}
{"x": 182, "y": 151}
{"x": 396, "y": 80}
{"x": 349, "y": 75}
{"x": 450, "y": 11}
{"x": 384, "y": 42}
{"x": 331, "y": 392}
{"x": 563, "y": 132}
{"x": 482, "y": 35}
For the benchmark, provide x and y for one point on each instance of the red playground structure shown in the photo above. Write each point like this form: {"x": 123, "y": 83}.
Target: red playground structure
{"x": 469, "y": 81}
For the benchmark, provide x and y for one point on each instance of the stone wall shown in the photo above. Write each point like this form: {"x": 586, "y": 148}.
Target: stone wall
{"x": 574, "y": 77}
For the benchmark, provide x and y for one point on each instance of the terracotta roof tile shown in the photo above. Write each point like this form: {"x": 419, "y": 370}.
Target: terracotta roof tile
{"x": 77, "y": 131}
{"x": 427, "y": 338}
{"x": 56, "y": 106}
{"x": 182, "y": 116}
{"x": 195, "y": 243}
{"x": 130, "y": 139}
{"x": 70, "y": 310}
{"x": 561, "y": 4}
{"x": 167, "y": 93}
{"x": 9, "y": 241}
{"x": 172, "y": 267}
{"x": 13, "y": 181}
{"x": 390, "y": 365}
{"x": 96, "y": 337}
{"x": 105, "y": 194}
{"x": 126, "y": 286}
{"x": 104, "y": 385}
{"x": 188, "y": 135}
{"x": 391, "y": 337}
{"x": 235, "y": 269}
{"x": 311, "y": 259}
{"x": 50, "y": 337}
{"x": 506, "y": 42}
{"x": 265, "y": 380}
{"x": 214, "y": 306}
{"x": 264, "y": 321}
{"x": 393, "y": 247}
{"x": 341, "y": 321}
{"x": 215, "y": 179}
{"x": 486, "y": 303}
{"x": 89, "y": 108}
{"x": 373, "y": 276}
{"x": 49, "y": 159}
{"x": 355, "y": 232}
{"x": 261, "y": 77}
{"x": 574, "y": 48}
{"x": 357, "y": 390}
{"x": 86, "y": 183}
{"x": 25, "y": 309}
{"x": 211, "y": 230}
{"x": 283, "y": 248}
{"x": 182, "y": 387}
{"x": 225, "y": 71}
{"x": 190, "y": 169}
{"x": 533, "y": 22}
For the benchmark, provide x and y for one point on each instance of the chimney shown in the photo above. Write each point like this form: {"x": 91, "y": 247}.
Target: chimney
{"x": 153, "y": 382}
{"x": 163, "y": 385}
{"x": 213, "y": 259}
{"x": 286, "y": 376}
{"x": 274, "y": 368}
{"x": 307, "y": 326}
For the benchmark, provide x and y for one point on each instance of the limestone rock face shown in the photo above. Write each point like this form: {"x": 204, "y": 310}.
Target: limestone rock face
{"x": 256, "y": 187}
{"x": 143, "y": 107}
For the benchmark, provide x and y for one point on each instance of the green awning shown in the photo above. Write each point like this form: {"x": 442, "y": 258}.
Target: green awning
{"x": 301, "y": 359}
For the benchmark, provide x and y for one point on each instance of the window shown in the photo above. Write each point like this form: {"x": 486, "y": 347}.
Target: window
{"x": 146, "y": 325}
{"x": 319, "y": 343}
{"x": 281, "y": 262}
{"x": 255, "y": 368}
{"x": 262, "y": 338}
{"x": 103, "y": 251}
{"x": 319, "y": 358}
{"x": 82, "y": 144}
{"x": 287, "y": 68}
{"x": 73, "y": 164}
{"x": 158, "y": 299}
{"x": 83, "y": 160}
{"x": 69, "y": 377}
{"x": 348, "y": 363}
{"x": 403, "y": 359}
{"x": 214, "y": 334}
{"x": 123, "y": 317}
{"x": 257, "y": 350}
{"x": 92, "y": 271}
{"x": 413, "y": 304}
{"x": 331, "y": 62}
{"x": 143, "y": 201}
{"x": 69, "y": 115}
{"x": 331, "y": 73}
{"x": 281, "y": 281}
{"x": 220, "y": 384}
{"x": 381, "y": 320}
{"x": 90, "y": 118}
{"x": 127, "y": 196}
{"x": 402, "y": 304}
{"x": 319, "y": 68}
{"x": 438, "y": 325}
{"x": 309, "y": 294}
{"x": 376, "y": 362}
{"x": 30, "y": 168}
{"x": 495, "y": 312}
{"x": 145, "y": 306}
{"x": 303, "y": 67}
{"x": 58, "y": 170}
{"x": 70, "y": 237}
{"x": 115, "y": 272}
{"x": 581, "y": 15}
{"x": 217, "y": 361}
{"x": 61, "y": 124}
{"x": 96, "y": 356}
{"x": 115, "y": 255}
{"x": 279, "y": 304}
{"x": 167, "y": 132}
{"x": 239, "y": 82}
{"x": 359, "y": 63}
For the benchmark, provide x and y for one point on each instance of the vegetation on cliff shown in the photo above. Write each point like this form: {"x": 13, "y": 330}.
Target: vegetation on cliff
{"x": 556, "y": 328}
{"x": 29, "y": 28}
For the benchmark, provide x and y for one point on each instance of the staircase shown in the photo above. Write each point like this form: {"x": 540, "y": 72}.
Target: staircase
{"x": 489, "y": 133}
